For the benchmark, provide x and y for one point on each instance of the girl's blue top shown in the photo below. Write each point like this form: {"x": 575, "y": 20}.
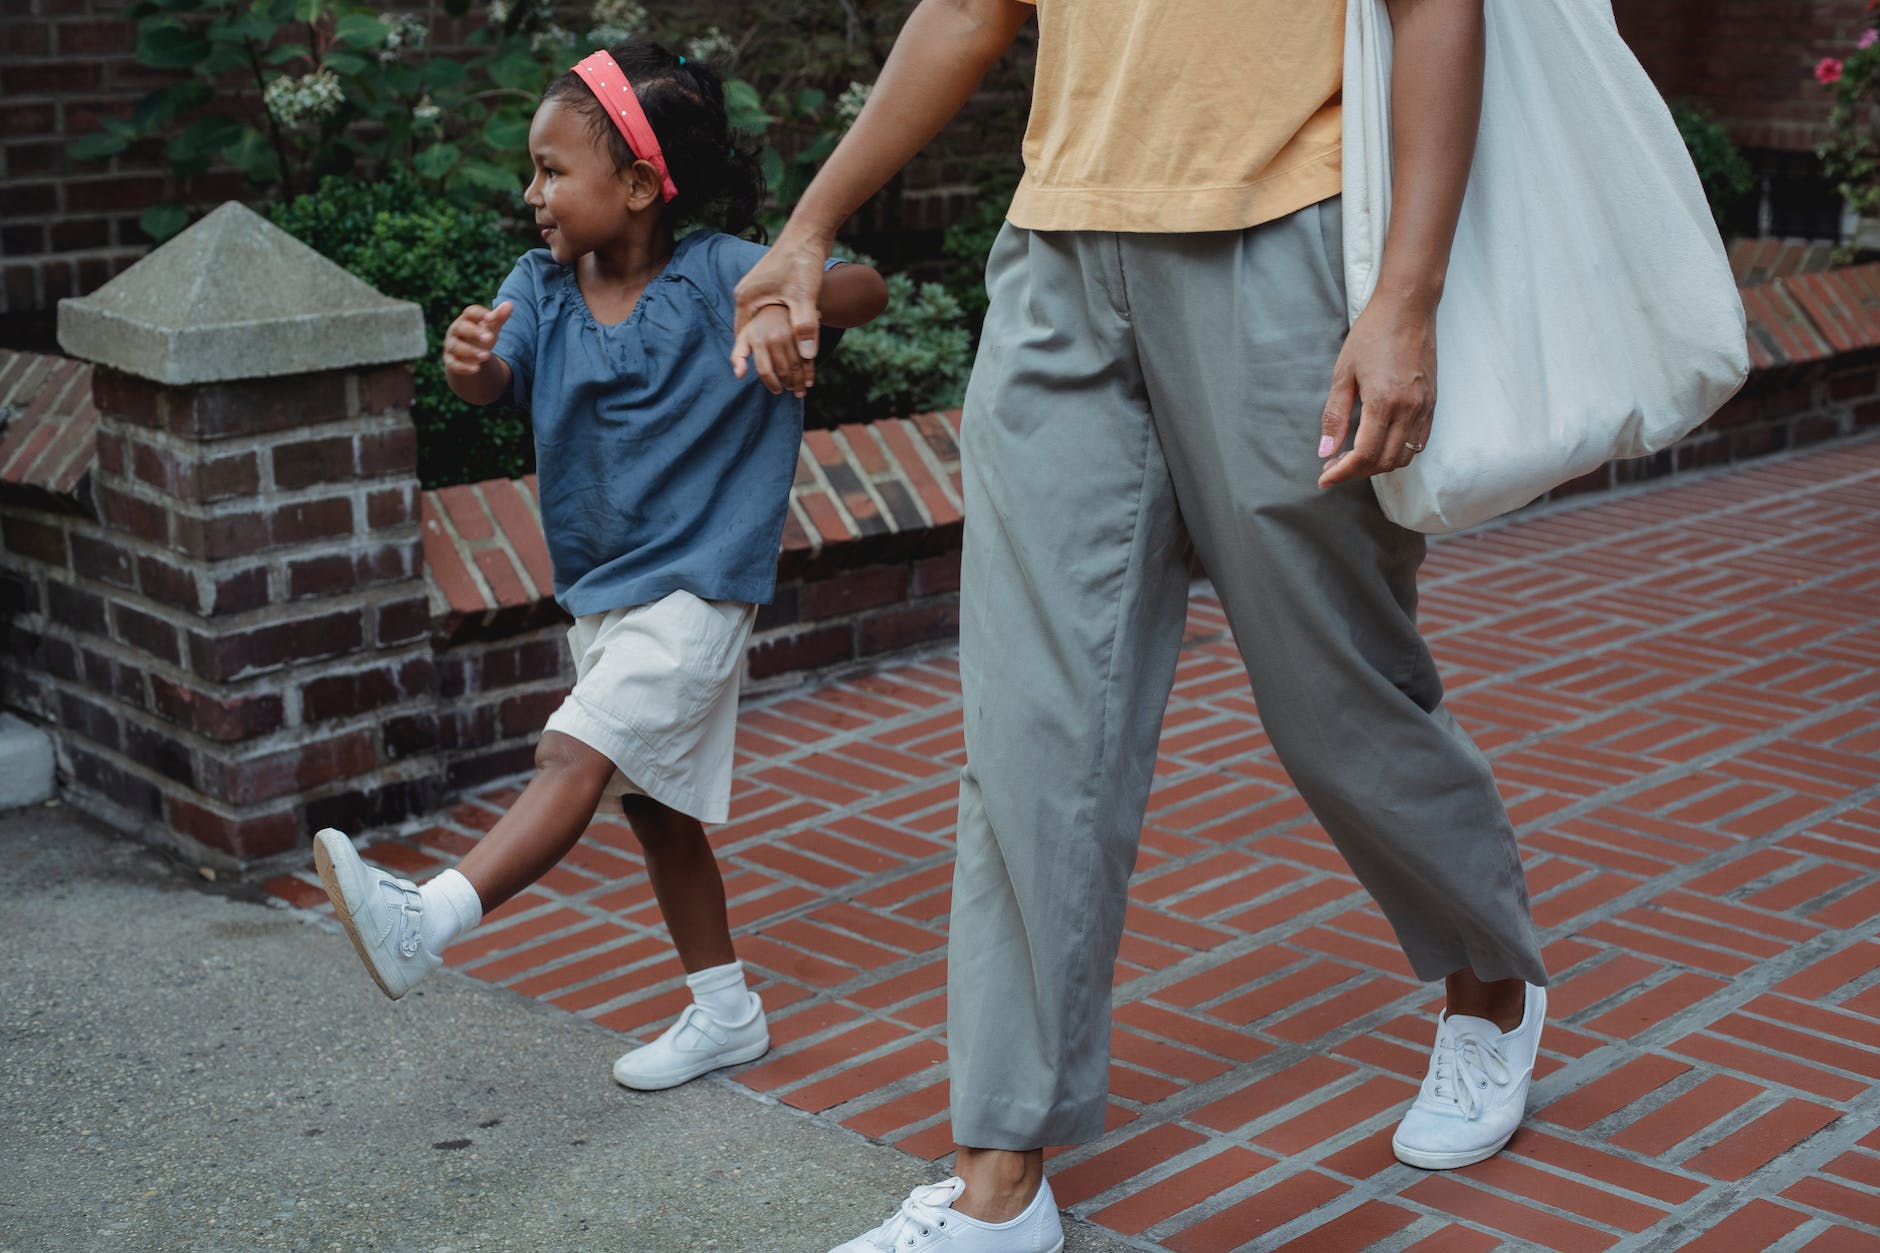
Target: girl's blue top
{"x": 658, "y": 469}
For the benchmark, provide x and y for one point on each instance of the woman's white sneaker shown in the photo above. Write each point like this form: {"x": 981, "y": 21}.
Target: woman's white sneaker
{"x": 927, "y": 1222}
{"x": 1475, "y": 1093}
{"x": 694, "y": 1044}
{"x": 379, "y": 911}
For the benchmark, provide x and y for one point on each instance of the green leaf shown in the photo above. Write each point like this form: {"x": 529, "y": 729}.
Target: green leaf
{"x": 97, "y": 146}
{"x": 744, "y": 108}
{"x": 254, "y": 157}
{"x": 222, "y": 58}
{"x": 518, "y": 70}
{"x": 166, "y": 44}
{"x": 772, "y": 166}
{"x": 817, "y": 150}
{"x": 507, "y": 133}
{"x": 165, "y": 103}
{"x": 441, "y": 72}
{"x": 247, "y": 26}
{"x": 287, "y": 52}
{"x": 161, "y": 221}
{"x": 436, "y": 161}
{"x": 345, "y": 64}
{"x": 361, "y": 31}
{"x": 489, "y": 177}
{"x": 309, "y": 10}
{"x": 811, "y": 99}
{"x": 203, "y": 138}
{"x": 400, "y": 79}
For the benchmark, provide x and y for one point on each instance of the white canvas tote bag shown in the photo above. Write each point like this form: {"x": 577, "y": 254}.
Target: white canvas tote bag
{"x": 1590, "y": 311}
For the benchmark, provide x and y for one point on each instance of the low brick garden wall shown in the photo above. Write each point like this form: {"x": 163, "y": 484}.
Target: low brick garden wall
{"x": 244, "y": 620}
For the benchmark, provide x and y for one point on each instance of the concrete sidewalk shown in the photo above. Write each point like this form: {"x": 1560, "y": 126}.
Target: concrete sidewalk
{"x": 188, "y": 1069}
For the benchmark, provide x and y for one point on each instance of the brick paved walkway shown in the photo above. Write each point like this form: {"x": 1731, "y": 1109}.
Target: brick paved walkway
{"x": 1679, "y": 691}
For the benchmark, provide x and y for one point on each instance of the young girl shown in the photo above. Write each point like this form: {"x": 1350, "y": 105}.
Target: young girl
{"x": 664, "y": 480}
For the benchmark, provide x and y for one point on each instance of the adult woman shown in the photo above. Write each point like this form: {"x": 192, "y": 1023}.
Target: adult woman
{"x": 1167, "y": 308}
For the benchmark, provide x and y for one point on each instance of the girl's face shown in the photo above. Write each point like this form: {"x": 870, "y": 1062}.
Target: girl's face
{"x": 581, "y": 202}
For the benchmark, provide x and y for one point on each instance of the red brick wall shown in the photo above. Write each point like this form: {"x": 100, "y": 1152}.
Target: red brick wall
{"x": 1751, "y": 61}
{"x": 66, "y": 227}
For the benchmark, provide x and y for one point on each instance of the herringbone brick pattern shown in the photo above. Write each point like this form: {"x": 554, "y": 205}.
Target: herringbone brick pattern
{"x": 1679, "y": 691}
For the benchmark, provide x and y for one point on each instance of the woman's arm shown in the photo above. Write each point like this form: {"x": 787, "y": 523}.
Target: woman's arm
{"x": 942, "y": 53}
{"x": 852, "y": 294}
{"x": 1390, "y": 358}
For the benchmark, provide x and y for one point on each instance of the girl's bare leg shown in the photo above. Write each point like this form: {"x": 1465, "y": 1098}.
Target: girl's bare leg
{"x": 686, "y": 882}
{"x": 543, "y": 824}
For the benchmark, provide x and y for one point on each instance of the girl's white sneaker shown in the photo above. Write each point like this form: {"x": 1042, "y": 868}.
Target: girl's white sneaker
{"x": 379, "y": 911}
{"x": 694, "y": 1044}
{"x": 927, "y": 1221}
{"x": 1475, "y": 1093}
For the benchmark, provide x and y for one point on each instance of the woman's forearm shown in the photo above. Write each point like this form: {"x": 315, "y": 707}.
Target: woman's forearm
{"x": 1436, "y": 109}
{"x": 942, "y": 53}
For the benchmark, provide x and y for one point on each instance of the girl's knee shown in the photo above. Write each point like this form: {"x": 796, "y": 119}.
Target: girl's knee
{"x": 563, "y": 756}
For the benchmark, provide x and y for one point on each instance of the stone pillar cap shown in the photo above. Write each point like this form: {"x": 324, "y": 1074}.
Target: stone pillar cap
{"x": 236, "y": 297}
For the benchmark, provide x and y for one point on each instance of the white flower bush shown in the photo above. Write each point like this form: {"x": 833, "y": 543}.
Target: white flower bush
{"x": 310, "y": 98}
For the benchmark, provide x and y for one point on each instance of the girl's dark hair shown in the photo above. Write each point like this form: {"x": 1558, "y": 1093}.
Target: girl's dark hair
{"x": 720, "y": 183}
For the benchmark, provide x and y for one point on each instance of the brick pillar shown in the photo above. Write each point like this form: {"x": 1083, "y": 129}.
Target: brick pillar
{"x": 256, "y": 483}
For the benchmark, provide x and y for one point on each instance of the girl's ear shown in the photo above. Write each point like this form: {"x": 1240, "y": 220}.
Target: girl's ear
{"x": 643, "y": 186}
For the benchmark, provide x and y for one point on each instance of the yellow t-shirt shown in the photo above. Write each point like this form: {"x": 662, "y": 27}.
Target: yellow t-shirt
{"x": 1181, "y": 115}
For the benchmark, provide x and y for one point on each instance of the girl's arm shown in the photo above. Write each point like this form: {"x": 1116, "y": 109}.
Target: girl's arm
{"x": 852, "y": 294}
{"x": 943, "y": 51}
{"x": 1390, "y": 358}
{"x": 471, "y": 367}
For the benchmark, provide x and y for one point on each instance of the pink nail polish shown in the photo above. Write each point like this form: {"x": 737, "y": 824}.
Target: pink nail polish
{"x": 1326, "y": 446}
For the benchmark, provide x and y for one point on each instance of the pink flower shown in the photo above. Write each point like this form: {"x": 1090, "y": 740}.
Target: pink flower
{"x": 1869, "y": 38}
{"x": 1828, "y": 72}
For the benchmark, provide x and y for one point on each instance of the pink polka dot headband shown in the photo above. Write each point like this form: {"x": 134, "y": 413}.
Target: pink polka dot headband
{"x": 610, "y": 86}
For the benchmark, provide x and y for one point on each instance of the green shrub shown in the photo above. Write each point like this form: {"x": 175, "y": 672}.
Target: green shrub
{"x": 1726, "y": 176}
{"x": 413, "y": 244}
{"x": 914, "y": 358}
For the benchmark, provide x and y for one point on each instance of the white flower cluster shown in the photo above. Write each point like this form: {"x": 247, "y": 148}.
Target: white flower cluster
{"x": 551, "y": 38}
{"x": 404, "y": 32}
{"x": 310, "y": 98}
{"x": 425, "y": 113}
{"x": 849, "y": 103}
{"x": 714, "y": 47}
{"x": 616, "y": 21}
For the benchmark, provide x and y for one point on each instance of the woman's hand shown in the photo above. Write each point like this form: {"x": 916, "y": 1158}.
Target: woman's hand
{"x": 1388, "y": 363}
{"x": 788, "y": 278}
{"x": 768, "y": 340}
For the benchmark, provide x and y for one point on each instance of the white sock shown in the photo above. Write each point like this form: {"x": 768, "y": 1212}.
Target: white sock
{"x": 720, "y": 992}
{"x": 451, "y": 907}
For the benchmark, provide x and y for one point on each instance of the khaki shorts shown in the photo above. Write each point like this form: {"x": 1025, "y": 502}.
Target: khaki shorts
{"x": 656, "y": 692}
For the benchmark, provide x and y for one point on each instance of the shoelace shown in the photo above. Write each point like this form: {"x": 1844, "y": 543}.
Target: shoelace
{"x": 925, "y": 1211}
{"x": 1464, "y": 1065}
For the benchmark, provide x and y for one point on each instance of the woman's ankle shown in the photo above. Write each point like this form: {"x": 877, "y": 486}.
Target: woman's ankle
{"x": 1000, "y": 1183}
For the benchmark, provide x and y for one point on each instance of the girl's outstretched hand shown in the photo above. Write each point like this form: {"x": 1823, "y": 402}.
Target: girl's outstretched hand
{"x": 789, "y": 276}
{"x": 471, "y": 338}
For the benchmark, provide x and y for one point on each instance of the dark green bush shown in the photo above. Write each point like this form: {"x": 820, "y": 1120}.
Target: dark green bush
{"x": 416, "y": 245}
{"x": 912, "y": 359}
{"x": 1726, "y": 175}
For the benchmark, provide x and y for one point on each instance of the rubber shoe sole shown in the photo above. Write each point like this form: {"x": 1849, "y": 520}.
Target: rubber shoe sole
{"x": 342, "y": 908}
{"x": 1446, "y": 1161}
{"x": 659, "y": 1083}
